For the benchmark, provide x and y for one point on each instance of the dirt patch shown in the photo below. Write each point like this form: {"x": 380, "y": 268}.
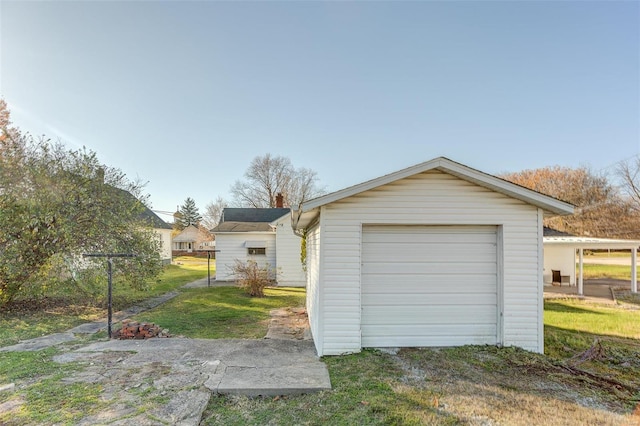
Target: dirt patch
{"x": 289, "y": 324}
{"x": 488, "y": 385}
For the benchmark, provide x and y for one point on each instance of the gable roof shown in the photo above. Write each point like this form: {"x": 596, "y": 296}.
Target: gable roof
{"x": 188, "y": 234}
{"x": 249, "y": 219}
{"x": 153, "y": 219}
{"x": 243, "y": 227}
{"x": 146, "y": 214}
{"x": 252, "y": 215}
{"x": 550, "y": 205}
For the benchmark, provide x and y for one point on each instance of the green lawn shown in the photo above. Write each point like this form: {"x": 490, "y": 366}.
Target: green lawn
{"x": 572, "y": 383}
{"x": 30, "y": 323}
{"x": 222, "y": 312}
{"x": 594, "y": 270}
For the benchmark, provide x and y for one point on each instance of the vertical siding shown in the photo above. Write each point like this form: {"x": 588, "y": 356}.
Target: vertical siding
{"x": 313, "y": 287}
{"x": 165, "y": 243}
{"x": 430, "y": 198}
{"x": 290, "y": 271}
{"x": 231, "y": 246}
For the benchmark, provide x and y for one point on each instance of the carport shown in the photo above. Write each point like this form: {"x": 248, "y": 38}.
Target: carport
{"x": 580, "y": 244}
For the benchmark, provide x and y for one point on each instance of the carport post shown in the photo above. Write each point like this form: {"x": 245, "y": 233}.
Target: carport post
{"x": 580, "y": 281}
{"x": 634, "y": 270}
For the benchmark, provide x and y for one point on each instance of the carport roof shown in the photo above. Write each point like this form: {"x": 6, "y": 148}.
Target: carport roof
{"x": 551, "y": 206}
{"x": 591, "y": 243}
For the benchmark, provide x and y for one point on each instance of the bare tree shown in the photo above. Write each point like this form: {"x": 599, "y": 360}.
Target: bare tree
{"x": 601, "y": 210}
{"x": 269, "y": 175}
{"x": 629, "y": 173}
{"x": 212, "y": 212}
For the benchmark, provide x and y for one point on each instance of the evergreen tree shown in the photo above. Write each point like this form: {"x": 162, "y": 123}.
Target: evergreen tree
{"x": 189, "y": 214}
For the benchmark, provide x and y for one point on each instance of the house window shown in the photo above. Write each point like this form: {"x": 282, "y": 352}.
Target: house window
{"x": 257, "y": 250}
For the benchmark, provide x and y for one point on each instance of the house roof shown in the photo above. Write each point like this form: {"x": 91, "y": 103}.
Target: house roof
{"x": 252, "y": 215}
{"x": 551, "y": 206}
{"x": 242, "y": 227}
{"x": 550, "y": 232}
{"x": 188, "y": 234}
{"x": 147, "y": 214}
{"x": 154, "y": 219}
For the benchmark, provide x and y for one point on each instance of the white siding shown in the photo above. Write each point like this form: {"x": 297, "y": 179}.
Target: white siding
{"x": 314, "y": 305}
{"x": 165, "y": 244}
{"x": 232, "y": 247}
{"x": 562, "y": 259}
{"x": 290, "y": 271}
{"x": 430, "y": 198}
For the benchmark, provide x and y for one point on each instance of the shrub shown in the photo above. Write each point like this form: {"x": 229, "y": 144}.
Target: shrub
{"x": 252, "y": 277}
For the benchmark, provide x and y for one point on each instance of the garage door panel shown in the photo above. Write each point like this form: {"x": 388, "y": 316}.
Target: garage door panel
{"x": 454, "y": 335}
{"x": 390, "y": 268}
{"x": 415, "y": 253}
{"x": 429, "y": 285}
{"x": 442, "y": 315}
{"x": 436, "y": 283}
{"x": 428, "y": 299}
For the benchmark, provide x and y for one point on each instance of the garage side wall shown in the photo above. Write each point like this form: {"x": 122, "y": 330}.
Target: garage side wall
{"x": 313, "y": 288}
{"x": 430, "y": 198}
{"x": 232, "y": 246}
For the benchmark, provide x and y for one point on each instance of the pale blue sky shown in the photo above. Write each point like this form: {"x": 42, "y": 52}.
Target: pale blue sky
{"x": 185, "y": 94}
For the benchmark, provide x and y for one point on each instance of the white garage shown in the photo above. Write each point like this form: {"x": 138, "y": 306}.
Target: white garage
{"x": 429, "y": 285}
{"x": 438, "y": 254}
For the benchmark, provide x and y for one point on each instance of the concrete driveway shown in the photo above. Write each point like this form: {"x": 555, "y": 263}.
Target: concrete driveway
{"x": 186, "y": 372}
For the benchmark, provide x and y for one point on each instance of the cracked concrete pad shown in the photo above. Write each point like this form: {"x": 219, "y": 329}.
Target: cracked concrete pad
{"x": 40, "y": 342}
{"x": 272, "y": 381}
{"x": 90, "y": 327}
{"x": 184, "y": 409}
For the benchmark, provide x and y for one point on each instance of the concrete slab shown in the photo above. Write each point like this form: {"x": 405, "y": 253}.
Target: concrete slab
{"x": 228, "y": 366}
{"x": 40, "y": 342}
{"x": 272, "y": 381}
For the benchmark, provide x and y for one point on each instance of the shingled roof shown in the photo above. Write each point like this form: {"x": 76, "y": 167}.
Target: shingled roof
{"x": 248, "y": 219}
{"x": 550, "y": 232}
{"x": 252, "y": 215}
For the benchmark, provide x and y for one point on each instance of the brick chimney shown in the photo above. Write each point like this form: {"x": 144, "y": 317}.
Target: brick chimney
{"x": 279, "y": 200}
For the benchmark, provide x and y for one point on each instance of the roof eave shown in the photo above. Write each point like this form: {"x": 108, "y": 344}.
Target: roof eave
{"x": 550, "y": 205}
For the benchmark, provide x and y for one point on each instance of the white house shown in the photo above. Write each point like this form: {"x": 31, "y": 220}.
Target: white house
{"x": 438, "y": 254}
{"x": 262, "y": 235}
{"x": 162, "y": 230}
{"x": 193, "y": 238}
{"x": 562, "y": 251}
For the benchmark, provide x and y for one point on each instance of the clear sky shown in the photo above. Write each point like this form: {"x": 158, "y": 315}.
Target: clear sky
{"x": 185, "y": 94}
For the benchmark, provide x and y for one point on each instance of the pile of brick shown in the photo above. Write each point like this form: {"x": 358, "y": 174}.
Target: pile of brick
{"x": 139, "y": 330}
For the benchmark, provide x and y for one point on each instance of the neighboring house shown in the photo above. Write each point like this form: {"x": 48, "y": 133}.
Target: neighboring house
{"x": 438, "y": 254}
{"x": 162, "y": 229}
{"x": 191, "y": 239}
{"x": 262, "y": 235}
{"x": 563, "y": 250}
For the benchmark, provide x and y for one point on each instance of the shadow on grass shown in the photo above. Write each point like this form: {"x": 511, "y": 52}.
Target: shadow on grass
{"x": 558, "y": 306}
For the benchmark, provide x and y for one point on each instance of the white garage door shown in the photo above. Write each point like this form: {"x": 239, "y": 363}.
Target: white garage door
{"x": 429, "y": 285}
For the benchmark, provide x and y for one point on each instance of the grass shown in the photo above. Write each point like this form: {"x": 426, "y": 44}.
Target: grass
{"x": 20, "y": 325}
{"x": 219, "y": 312}
{"x": 474, "y": 384}
{"x": 594, "y": 270}
{"x": 592, "y": 318}
{"x": 572, "y": 383}
{"x": 41, "y": 396}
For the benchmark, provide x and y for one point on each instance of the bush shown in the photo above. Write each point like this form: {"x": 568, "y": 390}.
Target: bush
{"x": 252, "y": 277}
